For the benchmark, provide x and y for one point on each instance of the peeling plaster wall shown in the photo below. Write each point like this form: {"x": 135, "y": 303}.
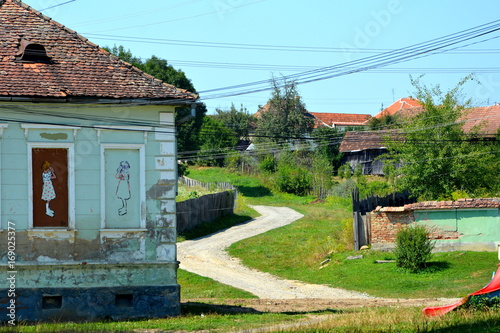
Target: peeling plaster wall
{"x": 452, "y": 229}
{"x": 86, "y": 255}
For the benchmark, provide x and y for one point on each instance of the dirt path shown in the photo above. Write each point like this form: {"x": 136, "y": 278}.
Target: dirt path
{"x": 207, "y": 257}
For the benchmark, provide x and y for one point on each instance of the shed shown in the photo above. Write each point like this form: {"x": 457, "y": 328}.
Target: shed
{"x": 465, "y": 224}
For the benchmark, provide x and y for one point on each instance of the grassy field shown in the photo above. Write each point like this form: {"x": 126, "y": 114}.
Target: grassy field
{"x": 296, "y": 251}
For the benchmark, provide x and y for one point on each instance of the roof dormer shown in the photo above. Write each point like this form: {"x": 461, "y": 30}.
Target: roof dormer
{"x": 32, "y": 52}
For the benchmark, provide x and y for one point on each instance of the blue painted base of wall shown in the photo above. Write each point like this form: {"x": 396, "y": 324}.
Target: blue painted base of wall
{"x": 89, "y": 304}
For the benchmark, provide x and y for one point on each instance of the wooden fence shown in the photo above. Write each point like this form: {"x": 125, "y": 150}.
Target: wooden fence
{"x": 361, "y": 222}
{"x": 193, "y": 183}
{"x": 207, "y": 208}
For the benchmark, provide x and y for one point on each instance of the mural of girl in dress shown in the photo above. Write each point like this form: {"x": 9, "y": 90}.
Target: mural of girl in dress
{"x": 123, "y": 187}
{"x": 48, "y": 192}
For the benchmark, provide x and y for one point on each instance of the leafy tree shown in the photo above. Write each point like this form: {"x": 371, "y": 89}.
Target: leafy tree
{"x": 327, "y": 141}
{"x": 385, "y": 122}
{"x": 291, "y": 177}
{"x": 286, "y": 118}
{"x": 216, "y": 139}
{"x": 187, "y": 132}
{"x": 437, "y": 157}
{"x": 240, "y": 121}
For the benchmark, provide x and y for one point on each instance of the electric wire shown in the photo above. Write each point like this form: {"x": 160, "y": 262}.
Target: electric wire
{"x": 419, "y": 50}
{"x": 64, "y": 3}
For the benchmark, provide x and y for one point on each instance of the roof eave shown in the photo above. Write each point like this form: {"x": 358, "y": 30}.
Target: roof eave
{"x": 94, "y": 100}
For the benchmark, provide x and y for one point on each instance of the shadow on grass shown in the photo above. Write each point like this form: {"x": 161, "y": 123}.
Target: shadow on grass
{"x": 436, "y": 266}
{"x": 196, "y": 308}
{"x": 254, "y": 191}
{"x": 208, "y": 228}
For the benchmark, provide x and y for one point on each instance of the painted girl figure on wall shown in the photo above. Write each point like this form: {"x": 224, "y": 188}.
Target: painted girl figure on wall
{"x": 48, "y": 192}
{"x": 123, "y": 188}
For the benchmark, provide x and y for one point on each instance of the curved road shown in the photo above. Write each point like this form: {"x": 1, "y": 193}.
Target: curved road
{"x": 207, "y": 257}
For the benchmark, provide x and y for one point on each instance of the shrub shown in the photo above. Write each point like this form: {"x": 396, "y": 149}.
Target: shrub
{"x": 344, "y": 171}
{"x": 344, "y": 189}
{"x": 268, "y": 164}
{"x": 413, "y": 248}
{"x": 294, "y": 180}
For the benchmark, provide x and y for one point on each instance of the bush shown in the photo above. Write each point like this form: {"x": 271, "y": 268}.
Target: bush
{"x": 268, "y": 164}
{"x": 294, "y": 180}
{"x": 344, "y": 189}
{"x": 413, "y": 248}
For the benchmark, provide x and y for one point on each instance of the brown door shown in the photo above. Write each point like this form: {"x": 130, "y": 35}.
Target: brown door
{"x": 50, "y": 187}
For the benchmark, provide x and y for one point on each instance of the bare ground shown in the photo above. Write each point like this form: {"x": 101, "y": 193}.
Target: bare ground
{"x": 307, "y": 305}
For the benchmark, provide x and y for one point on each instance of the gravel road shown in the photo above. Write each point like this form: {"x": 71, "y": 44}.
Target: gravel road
{"x": 207, "y": 257}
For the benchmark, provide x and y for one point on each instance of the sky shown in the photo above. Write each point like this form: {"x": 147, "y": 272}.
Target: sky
{"x": 226, "y": 43}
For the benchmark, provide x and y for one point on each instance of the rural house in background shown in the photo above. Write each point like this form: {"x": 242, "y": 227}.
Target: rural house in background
{"x": 88, "y": 176}
{"x": 364, "y": 147}
{"x": 340, "y": 121}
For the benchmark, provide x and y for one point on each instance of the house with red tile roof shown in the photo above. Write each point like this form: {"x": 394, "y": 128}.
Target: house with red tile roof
{"x": 88, "y": 177}
{"x": 397, "y": 106}
{"x": 363, "y": 147}
{"x": 340, "y": 121}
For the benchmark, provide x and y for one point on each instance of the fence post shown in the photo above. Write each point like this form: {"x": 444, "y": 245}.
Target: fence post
{"x": 356, "y": 213}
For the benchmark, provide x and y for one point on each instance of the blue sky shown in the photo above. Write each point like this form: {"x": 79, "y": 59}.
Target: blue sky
{"x": 221, "y": 43}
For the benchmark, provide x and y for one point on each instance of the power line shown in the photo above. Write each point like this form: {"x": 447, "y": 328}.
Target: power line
{"x": 264, "y": 47}
{"x": 64, "y": 3}
{"x": 415, "y": 51}
{"x": 183, "y": 18}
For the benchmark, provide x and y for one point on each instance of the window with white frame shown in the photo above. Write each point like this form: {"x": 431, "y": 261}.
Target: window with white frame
{"x": 122, "y": 186}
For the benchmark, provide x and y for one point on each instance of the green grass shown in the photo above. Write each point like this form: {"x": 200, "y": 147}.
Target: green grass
{"x": 220, "y": 318}
{"x": 195, "y": 318}
{"x": 296, "y": 251}
{"x": 194, "y": 286}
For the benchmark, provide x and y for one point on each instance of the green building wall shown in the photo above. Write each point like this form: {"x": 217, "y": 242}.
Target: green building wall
{"x": 136, "y": 257}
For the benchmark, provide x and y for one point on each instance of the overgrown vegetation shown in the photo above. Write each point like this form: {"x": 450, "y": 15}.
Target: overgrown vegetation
{"x": 413, "y": 248}
{"x": 324, "y": 234}
{"x": 438, "y": 157}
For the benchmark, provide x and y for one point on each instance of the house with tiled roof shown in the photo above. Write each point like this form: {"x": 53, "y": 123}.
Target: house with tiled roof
{"x": 340, "y": 121}
{"x": 88, "y": 177}
{"x": 397, "y": 106}
{"x": 364, "y": 148}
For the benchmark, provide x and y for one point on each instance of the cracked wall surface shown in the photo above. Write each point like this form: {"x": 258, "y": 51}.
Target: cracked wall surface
{"x": 136, "y": 252}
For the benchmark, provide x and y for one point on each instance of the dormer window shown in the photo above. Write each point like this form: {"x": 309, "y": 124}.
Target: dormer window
{"x": 32, "y": 52}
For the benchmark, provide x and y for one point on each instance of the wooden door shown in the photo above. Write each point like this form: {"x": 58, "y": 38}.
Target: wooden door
{"x": 50, "y": 187}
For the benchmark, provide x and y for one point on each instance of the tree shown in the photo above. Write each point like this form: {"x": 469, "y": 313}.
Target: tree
{"x": 187, "y": 132}
{"x": 216, "y": 139}
{"x": 327, "y": 142}
{"x": 240, "y": 121}
{"x": 385, "y": 122}
{"x": 286, "y": 117}
{"x": 437, "y": 157}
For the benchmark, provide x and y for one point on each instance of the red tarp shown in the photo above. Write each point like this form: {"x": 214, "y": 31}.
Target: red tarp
{"x": 493, "y": 286}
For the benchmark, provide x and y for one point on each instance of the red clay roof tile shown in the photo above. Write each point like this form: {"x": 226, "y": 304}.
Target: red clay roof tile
{"x": 402, "y": 103}
{"x": 433, "y": 205}
{"x": 77, "y": 67}
{"x": 340, "y": 119}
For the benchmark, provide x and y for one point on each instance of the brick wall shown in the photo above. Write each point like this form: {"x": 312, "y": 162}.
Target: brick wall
{"x": 385, "y": 225}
